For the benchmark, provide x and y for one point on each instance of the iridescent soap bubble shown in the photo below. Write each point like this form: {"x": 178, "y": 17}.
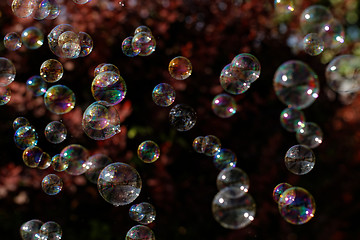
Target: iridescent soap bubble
{"x": 76, "y": 156}
{"x": 224, "y": 158}
{"x": 12, "y": 41}
{"x": 224, "y": 105}
{"x": 81, "y": 1}
{"x": 292, "y": 119}
{"x": 54, "y": 9}
{"x": 25, "y": 136}
{"x": 233, "y": 177}
{"x": 245, "y": 67}
{"x": 163, "y": 95}
{"x": 297, "y": 205}
{"x": 53, "y": 38}
{"x": 313, "y": 44}
{"x": 59, "y": 99}
{"x": 32, "y": 156}
{"x": 52, "y": 184}
{"x": 148, "y": 151}
{"x": 20, "y": 122}
{"x": 127, "y": 48}
{"x": 106, "y": 67}
{"x": 313, "y": 18}
{"x": 119, "y": 184}
{"x": 36, "y": 85}
{"x": 55, "y": 132}
{"x": 22, "y": 8}
{"x": 142, "y": 28}
{"x": 50, "y": 231}
{"x": 211, "y": 145}
{"x": 32, "y": 38}
{"x": 86, "y": 44}
{"x": 51, "y": 70}
{"x": 199, "y": 144}
{"x": 101, "y": 121}
{"x": 96, "y": 164}
{"x": 5, "y": 95}
{"x": 284, "y": 6}
{"x": 59, "y": 164}
{"x": 41, "y": 9}
{"x": 333, "y": 34}
{"x": 233, "y": 208}
{"x": 145, "y": 42}
{"x": 180, "y": 68}
{"x": 296, "y": 84}
{"x": 29, "y": 229}
{"x": 143, "y": 213}
{"x": 310, "y": 135}
{"x": 140, "y": 232}
{"x": 69, "y": 43}
{"x": 300, "y": 159}
{"x": 279, "y": 190}
{"x": 182, "y": 117}
{"x": 7, "y": 72}
{"x": 45, "y": 161}
{"x": 231, "y": 83}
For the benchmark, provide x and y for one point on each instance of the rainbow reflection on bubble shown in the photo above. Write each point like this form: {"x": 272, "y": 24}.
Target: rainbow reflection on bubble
{"x": 59, "y": 99}
{"x": 148, "y": 151}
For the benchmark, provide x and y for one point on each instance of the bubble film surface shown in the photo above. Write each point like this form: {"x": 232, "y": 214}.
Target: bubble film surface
{"x": 29, "y": 229}
{"x": 279, "y": 190}
{"x": 231, "y": 83}
{"x": 333, "y": 34}
{"x": 22, "y": 8}
{"x": 51, "y": 70}
{"x": 180, "y": 68}
{"x": 313, "y": 18}
{"x": 140, "y": 232}
{"x": 55, "y": 132}
{"x": 95, "y": 164}
{"x": 51, "y": 231}
{"x": 163, "y": 95}
{"x": 292, "y": 119}
{"x": 5, "y": 95}
{"x": 299, "y": 159}
{"x": 148, "y": 151}
{"x": 32, "y": 156}
{"x": 310, "y": 135}
{"x": 7, "y": 72}
{"x": 76, "y": 156}
{"x": 53, "y": 38}
{"x": 245, "y": 67}
{"x": 143, "y": 213}
{"x": 233, "y": 177}
{"x": 59, "y": 99}
{"x": 36, "y": 85}
{"x": 224, "y": 158}
{"x": 313, "y": 44}
{"x": 25, "y": 136}
{"x": 32, "y": 38}
{"x": 224, "y": 105}
{"x": 12, "y": 41}
{"x": 52, "y": 184}
{"x": 182, "y": 117}
{"x": 86, "y": 44}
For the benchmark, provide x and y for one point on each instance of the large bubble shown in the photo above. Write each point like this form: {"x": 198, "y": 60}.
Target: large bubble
{"x": 29, "y": 229}
{"x": 76, "y": 156}
{"x": 23, "y": 8}
{"x": 52, "y": 184}
{"x": 313, "y": 18}
{"x": 245, "y": 67}
{"x": 148, "y": 151}
{"x": 163, "y": 95}
{"x": 145, "y": 42}
{"x": 182, "y": 117}
{"x": 231, "y": 83}
{"x": 224, "y": 158}
{"x": 36, "y": 85}
{"x": 51, "y": 70}
{"x": 96, "y": 163}
{"x": 32, "y": 38}
{"x": 140, "y": 232}
{"x": 310, "y": 135}
{"x": 7, "y": 72}
{"x": 180, "y": 68}
{"x": 279, "y": 190}
{"x": 300, "y": 159}
{"x": 25, "y": 136}
{"x": 292, "y": 119}
{"x": 12, "y": 41}
{"x": 55, "y": 132}
{"x": 59, "y": 99}
{"x": 143, "y": 213}
{"x": 233, "y": 177}
{"x": 224, "y": 105}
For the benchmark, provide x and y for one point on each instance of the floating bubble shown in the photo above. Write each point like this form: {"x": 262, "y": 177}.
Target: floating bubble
{"x": 143, "y": 213}
{"x": 25, "y": 136}
{"x": 54, "y": 9}
{"x": 148, "y": 151}
{"x": 245, "y": 67}
{"x": 76, "y": 156}
{"x": 119, "y": 184}
{"x": 296, "y": 84}
{"x": 29, "y": 229}
{"x": 163, "y": 95}
{"x": 41, "y": 9}
{"x": 32, "y": 38}
{"x": 81, "y": 1}
{"x": 127, "y": 48}
{"x": 20, "y": 122}
{"x": 199, "y": 144}
{"x": 231, "y": 83}
{"x": 59, "y": 99}
{"x": 140, "y": 232}
{"x": 96, "y": 163}
{"x": 145, "y": 42}
{"x": 310, "y": 135}
{"x": 22, "y": 8}
{"x": 50, "y": 231}
{"x": 32, "y": 156}
{"x": 106, "y": 67}
{"x": 59, "y": 164}
{"x": 224, "y": 158}
{"x": 279, "y": 190}
{"x": 36, "y": 85}
{"x": 333, "y": 34}
{"x": 300, "y": 159}
{"x": 297, "y": 205}
{"x": 141, "y": 29}
{"x": 233, "y": 208}
{"x": 52, "y": 184}
{"x": 224, "y": 105}
{"x": 292, "y": 119}
{"x": 7, "y": 72}
{"x": 313, "y": 44}
{"x": 211, "y": 145}
{"x": 313, "y": 18}
{"x": 45, "y": 161}
{"x": 180, "y": 68}
{"x": 233, "y": 177}
{"x": 51, "y": 70}
{"x": 53, "y": 38}
{"x": 86, "y": 44}
{"x": 182, "y": 117}
{"x": 55, "y": 132}
{"x": 12, "y": 41}
{"x": 284, "y": 6}
{"x": 69, "y": 43}
{"x": 5, "y": 95}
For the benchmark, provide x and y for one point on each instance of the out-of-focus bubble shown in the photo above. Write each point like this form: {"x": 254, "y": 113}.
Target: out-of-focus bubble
{"x": 76, "y": 156}
{"x": 140, "y": 232}
{"x": 32, "y": 38}
{"x": 86, "y": 44}
{"x": 313, "y": 44}
{"x": 143, "y": 213}
{"x": 25, "y": 136}
{"x": 101, "y": 121}
{"x": 245, "y": 67}
{"x": 22, "y": 8}
{"x": 145, "y": 42}
{"x": 12, "y": 41}
{"x": 141, "y": 29}
{"x": 279, "y": 190}
{"x": 310, "y": 135}
{"x": 313, "y": 18}
{"x": 211, "y": 145}
{"x": 41, "y": 9}
{"x": 127, "y": 47}
{"x": 292, "y": 119}
{"x": 343, "y": 74}
{"x": 300, "y": 159}
{"x": 233, "y": 208}
{"x": 81, "y": 1}
{"x": 59, "y": 99}
{"x": 231, "y": 83}
{"x": 180, "y": 68}
{"x": 29, "y": 229}
{"x": 20, "y": 122}
{"x": 59, "y": 164}
{"x": 233, "y": 177}
{"x": 32, "y": 156}
{"x": 333, "y": 34}
{"x": 199, "y": 144}
{"x": 5, "y": 95}
{"x": 182, "y": 117}
{"x": 224, "y": 158}
{"x": 148, "y": 151}
{"x": 50, "y": 231}
{"x": 106, "y": 67}
{"x": 163, "y": 95}
{"x": 69, "y": 43}
{"x": 55, "y": 132}
{"x": 54, "y": 9}
{"x": 119, "y": 184}
{"x": 297, "y": 205}
{"x": 96, "y": 164}
{"x": 36, "y": 85}
{"x": 296, "y": 84}
{"x": 7, "y": 72}
{"x": 52, "y": 184}
{"x": 284, "y": 6}
{"x": 53, "y": 38}
{"x": 224, "y": 105}
{"x": 45, "y": 161}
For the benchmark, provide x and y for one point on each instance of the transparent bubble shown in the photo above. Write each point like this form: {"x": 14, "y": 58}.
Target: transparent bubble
{"x": 310, "y": 135}
{"x": 343, "y": 74}
{"x": 284, "y": 6}
{"x": 54, "y": 9}
{"x": 53, "y": 38}
{"x": 36, "y": 85}
{"x": 211, "y": 145}
{"x": 245, "y": 67}
{"x": 296, "y": 84}
{"x": 12, "y": 41}
{"x": 59, "y": 99}
{"x": 313, "y": 44}
{"x": 41, "y": 9}
{"x": 106, "y": 67}
{"x": 22, "y": 8}
{"x": 143, "y": 213}
{"x": 233, "y": 208}
{"x": 59, "y": 164}
{"x": 81, "y": 1}
{"x": 233, "y": 177}
{"x": 199, "y": 144}
{"x": 148, "y": 151}
{"x": 32, "y": 38}
{"x": 7, "y": 72}
{"x": 279, "y": 190}
{"x": 224, "y": 105}
{"x": 86, "y": 44}
{"x": 101, "y": 121}
{"x": 313, "y": 18}
{"x": 297, "y": 205}
{"x": 300, "y": 159}
{"x": 119, "y": 184}
{"x": 145, "y": 42}
{"x": 292, "y": 119}
{"x": 32, "y": 156}
{"x": 127, "y": 48}
{"x": 51, "y": 70}
{"x": 5, "y": 95}
{"x": 52, "y": 184}
{"x": 224, "y": 158}
{"x": 29, "y": 229}
{"x": 55, "y": 132}
{"x": 45, "y": 161}
{"x": 69, "y": 43}
{"x": 163, "y": 95}
{"x": 51, "y": 231}
{"x": 182, "y": 117}
{"x": 333, "y": 34}
{"x": 140, "y": 232}
{"x": 25, "y": 136}
{"x": 180, "y": 68}
{"x": 231, "y": 83}
{"x": 141, "y": 29}
{"x": 20, "y": 122}
{"x": 76, "y": 156}
{"x": 96, "y": 163}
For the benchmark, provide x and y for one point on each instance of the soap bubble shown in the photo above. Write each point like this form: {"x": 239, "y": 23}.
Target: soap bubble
{"x": 5, "y": 95}
{"x": 32, "y": 38}
{"x": 333, "y": 34}
{"x": 145, "y": 42}
{"x": 36, "y": 85}
{"x": 53, "y": 38}
{"x": 51, "y": 70}
{"x": 224, "y": 158}
{"x": 12, "y": 41}
{"x": 143, "y": 213}
{"x": 69, "y": 43}
{"x": 54, "y": 9}
{"x": 233, "y": 177}
{"x": 59, "y": 164}
{"x": 106, "y": 67}
{"x": 199, "y": 144}
{"x": 29, "y": 229}
{"x": 41, "y": 9}
{"x": 76, "y": 155}
{"x": 284, "y": 6}
{"x": 182, "y": 117}
{"x": 163, "y": 95}
{"x": 59, "y": 99}
{"x": 7, "y": 72}
{"x": 292, "y": 119}
{"x": 45, "y": 161}
{"x": 50, "y": 231}
{"x": 310, "y": 135}
{"x": 299, "y": 159}
{"x": 141, "y": 29}
{"x": 245, "y": 67}
{"x": 96, "y": 164}
{"x": 148, "y": 151}
{"x": 52, "y": 184}
{"x": 55, "y": 132}
{"x": 211, "y": 145}
{"x": 180, "y": 68}
{"x": 22, "y": 8}
{"x": 101, "y": 121}
{"x": 313, "y": 44}
{"x": 233, "y": 208}
{"x": 127, "y": 47}
{"x": 313, "y": 18}
{"x": 297, "y": 205}
{"x": 20, "y": 122}
{"x": 86, "y": 44}
{"x": 279, "y": 190}
{"x": 224, "y": 105}
{"x": 81, "y": 1}
{"x": 119, "y": 184}
{"x": 32, "y": 156}
{"x": 296, "y": 84}
{"x": 140, "y": 232}
{"x": 25, "y": 136}
{"x": 231, "y": 83}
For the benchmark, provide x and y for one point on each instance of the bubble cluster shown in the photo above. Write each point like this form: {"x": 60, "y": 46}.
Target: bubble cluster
{"x": 52, "y": 184}
{"x": 182, "y": 117}
{"x": 29, "y": 229}
{"x": 292, "y": 119}
{"x": 7, "y": 72}
{"x": 198, "y": 144}
{"x": 310, "y": 135}
{"x": 5, "y": 95}
{"x": 51, "y": 70}
{"x": 143, "y": 213}
{"x": 12, "y": 41}
{"x": 140, "y": 232}
{"x": 59, "y": 99}
{"x": 180, "y": 68}
{"x": 59, "y": 164}
{"x": 127, "y": 47}
{"x": 148, "y": 151}
{"x": 20, "y": 122}
{"x": 32, "y": 38}
{"x": 163, "y": 95}
{"x": 299, "y": 159}
{"x": 95, "y": 164}
{"x": 279, "y": 190}
{"x": 76, "y": 156}
{"x": 36, "y": 85}
{"x": 25, "y": 136}
{"x": 224, "y": 158}
{"x": 55, "y": 132}
{"x": 313, "y": 44}
{"x": 224, "y": 105}
{"x": 233, "y": 177}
